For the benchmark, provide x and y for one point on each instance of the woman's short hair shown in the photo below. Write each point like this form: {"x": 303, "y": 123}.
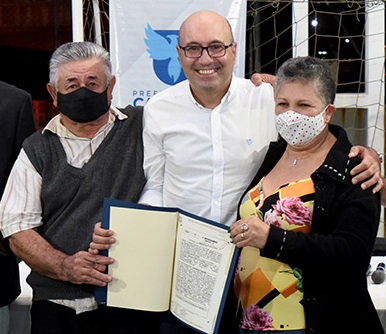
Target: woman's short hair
{"x": 309, "y": 70}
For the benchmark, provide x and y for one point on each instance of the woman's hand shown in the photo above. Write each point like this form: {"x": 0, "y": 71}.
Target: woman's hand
{"x": 249, "y": 232}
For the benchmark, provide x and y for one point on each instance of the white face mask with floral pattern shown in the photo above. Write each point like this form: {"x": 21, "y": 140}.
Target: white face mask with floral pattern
{"x": 298, "y": 129}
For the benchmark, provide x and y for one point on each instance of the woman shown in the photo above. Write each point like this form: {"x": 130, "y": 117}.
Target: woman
{"x": 307, "y": 232}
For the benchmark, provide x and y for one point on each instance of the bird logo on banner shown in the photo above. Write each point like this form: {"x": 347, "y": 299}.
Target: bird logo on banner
{"x": 161, "y": 46}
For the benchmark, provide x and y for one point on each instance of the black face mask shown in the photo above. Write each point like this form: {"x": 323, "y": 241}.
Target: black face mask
{"x": 83, "y": 105}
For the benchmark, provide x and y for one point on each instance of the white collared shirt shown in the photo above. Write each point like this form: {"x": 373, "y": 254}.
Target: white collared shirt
{"x": 201, "y": 160}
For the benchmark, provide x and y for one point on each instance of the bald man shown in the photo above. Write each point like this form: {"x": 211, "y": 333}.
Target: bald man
{"x": 204, "y": 138}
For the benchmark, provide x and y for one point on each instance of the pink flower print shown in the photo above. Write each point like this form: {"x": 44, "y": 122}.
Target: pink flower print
{"x": 271, "y": 218}
{"x": 293, "y": 211}
{"x": 255, "y": 318}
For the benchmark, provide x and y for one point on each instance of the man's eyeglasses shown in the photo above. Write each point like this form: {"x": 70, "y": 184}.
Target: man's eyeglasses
{"x": 214, "y": 50}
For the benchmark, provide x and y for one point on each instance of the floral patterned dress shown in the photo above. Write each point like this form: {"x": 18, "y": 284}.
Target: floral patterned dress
{"x": 269, "y": 291}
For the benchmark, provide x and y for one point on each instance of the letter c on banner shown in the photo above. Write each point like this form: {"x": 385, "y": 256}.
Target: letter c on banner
{"x": 137, "y": 101}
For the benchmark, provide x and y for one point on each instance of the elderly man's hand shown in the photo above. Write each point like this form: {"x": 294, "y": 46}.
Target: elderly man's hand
{"x": 86, "y": 268}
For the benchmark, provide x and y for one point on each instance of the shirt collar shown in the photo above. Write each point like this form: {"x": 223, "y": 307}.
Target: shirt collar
{"x": 231, "y": 89}
{"x": 55, "y": 126}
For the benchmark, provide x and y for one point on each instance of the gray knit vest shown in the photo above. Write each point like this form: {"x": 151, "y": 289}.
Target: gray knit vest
{"x": 72, "y": 198}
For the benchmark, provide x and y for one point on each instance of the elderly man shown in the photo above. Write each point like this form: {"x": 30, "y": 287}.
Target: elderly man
{"x": 55, "y": 192}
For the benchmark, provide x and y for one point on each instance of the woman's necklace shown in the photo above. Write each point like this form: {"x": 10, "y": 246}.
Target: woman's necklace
{"x": 302, "y": 157}
{"x": 320, "y": 151}
{"x": 305, "y": 156}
